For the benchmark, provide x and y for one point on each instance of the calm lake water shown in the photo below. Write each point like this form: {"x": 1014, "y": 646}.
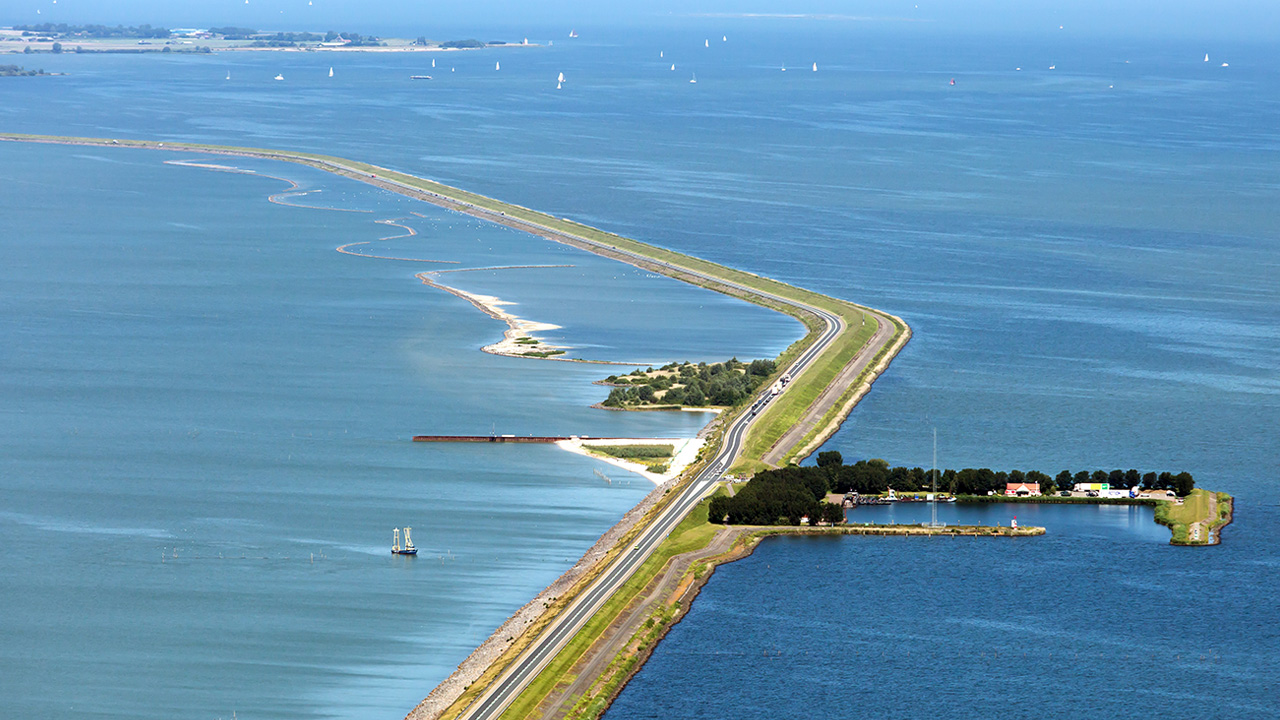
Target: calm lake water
{"x": 1087, "y": 256}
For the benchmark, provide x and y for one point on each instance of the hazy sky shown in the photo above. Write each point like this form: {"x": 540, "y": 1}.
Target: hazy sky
{"x": 1251, "y": 19}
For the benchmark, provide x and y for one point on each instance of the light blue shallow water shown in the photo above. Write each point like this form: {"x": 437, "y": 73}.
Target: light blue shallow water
{"x": 1087, "y": 257}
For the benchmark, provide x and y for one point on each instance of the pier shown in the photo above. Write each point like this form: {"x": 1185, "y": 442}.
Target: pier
{"x": 545, "y": 439}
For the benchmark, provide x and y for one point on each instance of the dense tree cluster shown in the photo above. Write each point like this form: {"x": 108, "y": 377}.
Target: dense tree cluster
{"x": 870, "y": 477}
{"x": 778, "y": 497}
{"x": 458, "y": 44}
{"x": 727, "y": 383}
{"x": 94, "y": 31}
{"x": 18, "y": 71}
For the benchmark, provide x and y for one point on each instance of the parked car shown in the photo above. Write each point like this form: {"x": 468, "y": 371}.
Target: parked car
{"x": 1065, "y": 493}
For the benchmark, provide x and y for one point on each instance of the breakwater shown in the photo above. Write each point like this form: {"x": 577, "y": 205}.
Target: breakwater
{"x": 546, "y": 439}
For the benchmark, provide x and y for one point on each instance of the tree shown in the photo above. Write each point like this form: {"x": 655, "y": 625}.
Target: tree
{"x": 1063, "y": 481}
{"x": 693, "y": 396}
{"x": 57, "y": 48}
{"x": 1183, "y": 484}
{"x": 1148, "y": 481}
{"x": 1045, "y": 482}
{"x": 830, "y": 459}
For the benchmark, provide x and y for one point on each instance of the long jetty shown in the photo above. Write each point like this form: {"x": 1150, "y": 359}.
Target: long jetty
{"x": 502, "y": 438}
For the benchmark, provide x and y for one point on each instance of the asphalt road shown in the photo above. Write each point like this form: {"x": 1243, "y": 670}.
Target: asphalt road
{"x": 562, "y": 629}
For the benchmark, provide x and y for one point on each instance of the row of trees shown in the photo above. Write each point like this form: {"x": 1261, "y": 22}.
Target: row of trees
{"x": 876, "y": 476}
{"x": 93, "y": 31}
{"x": 777, "y": 497}
{"x": 727, "y": 383}
{"x": 18, "y": 71}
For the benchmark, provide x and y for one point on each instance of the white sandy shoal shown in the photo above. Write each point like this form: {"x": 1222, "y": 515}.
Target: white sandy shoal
{"x": 686, "y": 452}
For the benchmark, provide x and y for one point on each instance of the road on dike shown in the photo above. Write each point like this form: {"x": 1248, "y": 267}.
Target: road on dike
{"x": 543, "y": 649}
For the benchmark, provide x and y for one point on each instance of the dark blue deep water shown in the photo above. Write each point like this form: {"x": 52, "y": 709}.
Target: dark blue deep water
{"x": 1087, "y": 255}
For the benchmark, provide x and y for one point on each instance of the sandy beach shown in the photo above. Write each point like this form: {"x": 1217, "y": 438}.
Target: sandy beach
{"x": 686, "y": 452}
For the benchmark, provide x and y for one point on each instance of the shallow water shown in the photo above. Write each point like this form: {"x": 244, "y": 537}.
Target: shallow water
{"x": 1089, "y": 271}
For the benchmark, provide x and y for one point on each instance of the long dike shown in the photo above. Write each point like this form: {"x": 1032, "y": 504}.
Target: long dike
{"x": 846, "y": 347}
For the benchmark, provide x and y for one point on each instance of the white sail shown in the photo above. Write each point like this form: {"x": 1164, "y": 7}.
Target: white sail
{"x": 706, "y": 43}
{"x": 330, "y": 72}
{"x": 694, "y": 79}
{"x": 661, "y": 54}
{"x": 561, "y": 78}
{"x": 673, "y": 66}
{"x": 228, "y": 74}
{"x": 815, "y": 67}
{"x": 1206, "y": 57}
{"x": 557, "y": 86}
{"x": 433, "y": 62}
{"x": 497, "y": 66}
{"x": 279, "y": 77}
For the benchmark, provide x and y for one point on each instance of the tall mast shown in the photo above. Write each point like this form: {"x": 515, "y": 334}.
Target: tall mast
{"x": 934, "y": 473}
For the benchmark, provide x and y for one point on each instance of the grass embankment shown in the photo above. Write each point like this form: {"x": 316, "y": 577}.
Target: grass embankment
{"x": 787, "y": 409}
{"x": 693, "y": 533}
{"x": 1198, "y": 519}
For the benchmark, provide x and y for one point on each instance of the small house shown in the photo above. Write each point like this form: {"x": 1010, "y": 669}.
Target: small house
{"x": 1021, "y": 489}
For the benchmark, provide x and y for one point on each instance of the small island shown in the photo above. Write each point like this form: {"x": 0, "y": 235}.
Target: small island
{"x": 678, "y": 385}
{"x": 19, "y": 71}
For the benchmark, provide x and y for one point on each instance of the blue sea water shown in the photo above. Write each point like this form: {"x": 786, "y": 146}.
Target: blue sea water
{"x": 1087, "y": 257}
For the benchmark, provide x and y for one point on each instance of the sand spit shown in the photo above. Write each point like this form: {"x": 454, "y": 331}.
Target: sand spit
{"x": 517, "y": 328}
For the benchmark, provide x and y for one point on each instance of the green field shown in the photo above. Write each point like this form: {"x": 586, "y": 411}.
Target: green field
{"x": 634, "y": 452}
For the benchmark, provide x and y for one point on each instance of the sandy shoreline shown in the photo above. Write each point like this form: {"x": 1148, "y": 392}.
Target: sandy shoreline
{"x": 686, "y": 450}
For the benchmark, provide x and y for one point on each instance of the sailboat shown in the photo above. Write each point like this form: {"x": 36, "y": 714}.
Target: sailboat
{"x": 280, "y": 77}
{"x": 573, "y": 33}
{"x": 433, "y": 62}
{"x": 661, "y": 54}
{"x": 228, "y": 74}
{"x": 724, "y": 38}
{"x": 1206, "y": 57}
{"x": 561, "y": 78}
{"x": 815, "y": 67}
{"x": 706, "y": 43}
{"x": 408, "y": 548}
{"x": 497, "y": 66}
{"x": 330, "y": 72}
{"x": 1053, "y": 67}
{"x": 673, "y": 66}
{"x": 784, "y": 68}
{"x": 694, "y": 79}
